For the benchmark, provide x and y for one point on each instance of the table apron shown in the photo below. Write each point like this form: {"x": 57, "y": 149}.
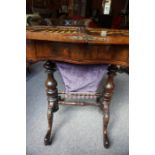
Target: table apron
{"x": 77, "y": 53}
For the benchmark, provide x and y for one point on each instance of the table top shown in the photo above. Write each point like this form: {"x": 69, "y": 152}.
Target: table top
{"x": 78, "y": 35}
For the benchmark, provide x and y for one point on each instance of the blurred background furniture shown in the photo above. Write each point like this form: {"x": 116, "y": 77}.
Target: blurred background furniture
{"x": 54, "y": 12}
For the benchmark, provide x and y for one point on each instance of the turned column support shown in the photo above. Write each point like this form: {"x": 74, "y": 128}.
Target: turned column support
{"x": 107, "y": 95}
{"x": 52, "y": 98}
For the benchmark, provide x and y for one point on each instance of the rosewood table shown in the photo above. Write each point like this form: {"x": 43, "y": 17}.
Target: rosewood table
{"x": 78, "y": 45}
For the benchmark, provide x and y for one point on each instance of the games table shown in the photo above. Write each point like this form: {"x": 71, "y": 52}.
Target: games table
{"x": 80, "y": 46}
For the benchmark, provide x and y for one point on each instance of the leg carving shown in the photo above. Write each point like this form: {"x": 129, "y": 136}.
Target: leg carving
{"x": 52, "y": 97}
{"x": 108, "y": 91}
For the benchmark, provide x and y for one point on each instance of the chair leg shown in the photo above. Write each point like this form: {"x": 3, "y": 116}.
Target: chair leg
{"x": 52, "y": 97}
{"x": 108, "y": 91}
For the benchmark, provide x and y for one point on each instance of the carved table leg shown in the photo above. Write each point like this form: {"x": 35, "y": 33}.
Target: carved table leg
{"x": 52, "y": 97}
{"x": 108, "y": 91}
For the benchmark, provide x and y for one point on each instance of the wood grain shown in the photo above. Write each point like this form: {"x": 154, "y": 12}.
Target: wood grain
{"x": 84, "y": 47}
{"x": 78, "y": 53}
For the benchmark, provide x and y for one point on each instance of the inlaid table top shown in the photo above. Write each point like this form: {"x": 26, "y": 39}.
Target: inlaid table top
{"x": 78, "y": 34}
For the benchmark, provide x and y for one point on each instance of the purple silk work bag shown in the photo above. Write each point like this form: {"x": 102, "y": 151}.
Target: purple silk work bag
{"x": 81, "y": 78}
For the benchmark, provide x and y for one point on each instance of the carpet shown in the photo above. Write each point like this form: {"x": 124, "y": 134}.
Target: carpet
{"x": 76, "y": 130}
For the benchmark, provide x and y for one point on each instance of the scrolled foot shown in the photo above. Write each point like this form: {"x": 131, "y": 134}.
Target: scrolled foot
{"x": 47, "y": 139}
{"x": 106, "y": 142}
